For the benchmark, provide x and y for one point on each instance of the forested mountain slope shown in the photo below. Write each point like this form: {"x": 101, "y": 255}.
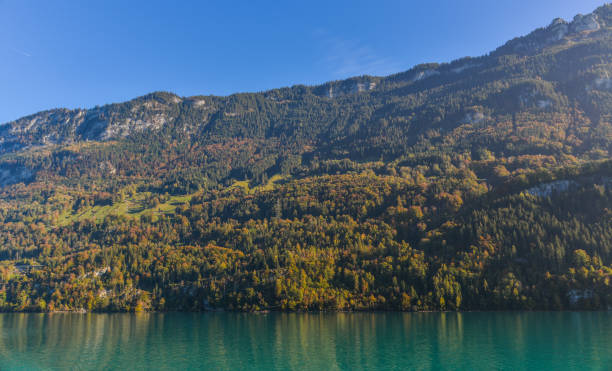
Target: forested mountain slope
{"x": 484, "y": 183}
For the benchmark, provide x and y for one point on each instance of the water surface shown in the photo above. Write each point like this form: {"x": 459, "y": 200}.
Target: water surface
{"x": 342, "y": 341}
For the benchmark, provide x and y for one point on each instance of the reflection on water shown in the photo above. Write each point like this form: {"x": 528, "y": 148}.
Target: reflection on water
{"x": 540, "y": 340}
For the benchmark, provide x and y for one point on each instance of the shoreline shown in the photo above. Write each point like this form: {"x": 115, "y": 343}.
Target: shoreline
{"x": 84, "y": 312}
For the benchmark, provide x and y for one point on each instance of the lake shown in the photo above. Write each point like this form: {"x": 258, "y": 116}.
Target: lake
{"x": 321, "y": 341}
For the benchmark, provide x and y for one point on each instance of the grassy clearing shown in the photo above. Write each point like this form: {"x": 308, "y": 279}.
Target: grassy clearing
{"x": 244, "y": 184}
{"x": 278, "y": 178}
{"x": 135, "y": 205}
{"x": 270, "y": 184}
{"x": 131, "y": 207}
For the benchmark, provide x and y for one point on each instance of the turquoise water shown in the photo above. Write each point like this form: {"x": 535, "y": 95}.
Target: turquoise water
{"x": 343, "y": 341}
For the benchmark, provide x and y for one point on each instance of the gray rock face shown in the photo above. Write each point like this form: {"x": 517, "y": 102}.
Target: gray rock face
{"x": 534, "y": 99}
{"x": 583, "y": 23}
{"x": 63, "y": 126}
{"x": 422, "y": 75}
{"x": 104, "y": 124}
{"x": 558, "y": 29}
{"x": 547, "y": 189}
{"x": 342, "y": 88}
{"x": 107, "y": 168}
{"x": 473, "y": 117}
{"x": 465, "y": 67}
{"x": 602, "y": 81}
{"x": 365, "y": 86}
{"x": 543, "y": 103}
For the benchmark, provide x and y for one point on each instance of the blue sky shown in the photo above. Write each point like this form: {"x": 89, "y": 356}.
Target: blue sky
{"x": 85, "y": 53}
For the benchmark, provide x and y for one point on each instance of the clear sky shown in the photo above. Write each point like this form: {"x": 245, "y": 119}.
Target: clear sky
{"x": 84, "y": 53}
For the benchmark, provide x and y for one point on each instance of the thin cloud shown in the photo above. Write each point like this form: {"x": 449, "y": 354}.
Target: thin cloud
{"x": 21, "y": 52}
{"x": 349, "y": 57}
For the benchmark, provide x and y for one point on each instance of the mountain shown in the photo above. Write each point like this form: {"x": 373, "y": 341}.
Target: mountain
{"x": 483, "y": 183}
{"x": 572, "y": 73}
